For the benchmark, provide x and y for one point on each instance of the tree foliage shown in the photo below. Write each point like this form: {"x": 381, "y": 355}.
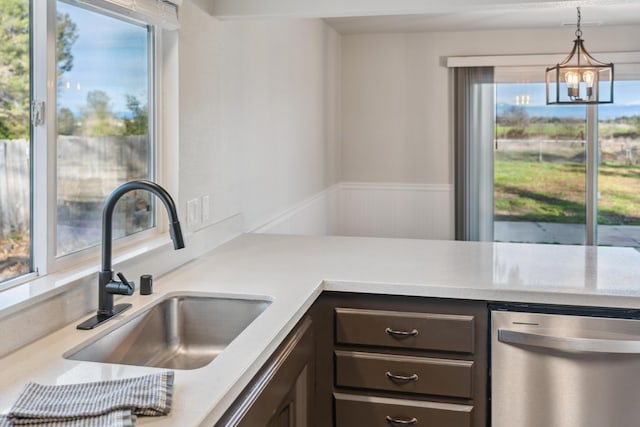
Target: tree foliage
{"x": 15, "y": 63}
{"x": 98, "y": 118}
{"x": 514, "y": 116}
{"x": 66, "y": 122}
{"x": 636, "y": 122}
{"x": 67, "y": 34}
{"x": 138, "y": 123}
{"x": 14, "y": 68}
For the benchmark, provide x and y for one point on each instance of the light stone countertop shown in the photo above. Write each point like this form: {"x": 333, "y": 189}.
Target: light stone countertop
{"x": 293, "y": 270}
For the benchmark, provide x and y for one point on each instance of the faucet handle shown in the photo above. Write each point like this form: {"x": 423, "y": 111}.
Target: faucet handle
{"x": 124, "y": 287}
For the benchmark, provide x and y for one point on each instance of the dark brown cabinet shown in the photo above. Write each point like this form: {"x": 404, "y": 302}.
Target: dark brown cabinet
{"x": 371, "y": 411}
{"x": 401, "y": 361}
{"x": 405, "y": 374}
{"x": 400, "y": 329}
{"x": 282, "y": 394}
{"x": 362, "y": 360}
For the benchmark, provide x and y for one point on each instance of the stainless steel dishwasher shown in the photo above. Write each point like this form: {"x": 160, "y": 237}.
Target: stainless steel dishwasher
{"x": 560, "y": 370}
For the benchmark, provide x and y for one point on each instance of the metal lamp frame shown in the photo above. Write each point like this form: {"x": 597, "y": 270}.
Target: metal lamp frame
{"x": 584, "y": 63}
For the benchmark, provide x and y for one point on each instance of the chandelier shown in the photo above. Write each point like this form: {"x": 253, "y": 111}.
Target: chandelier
{"x": 580, "y": 79}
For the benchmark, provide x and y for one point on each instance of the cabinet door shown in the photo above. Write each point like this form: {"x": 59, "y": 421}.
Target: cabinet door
{"x": 281, "y": 394}
{"x": 293, "y": 409}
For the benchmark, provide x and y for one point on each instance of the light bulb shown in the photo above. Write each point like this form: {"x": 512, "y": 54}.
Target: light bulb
{"x": 572, "y": 78}
{"x": 589, "y": 77}
{"x": 573, "y": 81}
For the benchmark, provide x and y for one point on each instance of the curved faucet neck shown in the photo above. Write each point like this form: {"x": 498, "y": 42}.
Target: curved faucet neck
{"x": 109, "y": 206}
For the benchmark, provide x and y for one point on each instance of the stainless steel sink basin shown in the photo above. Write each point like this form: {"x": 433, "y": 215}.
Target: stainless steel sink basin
{"x": 179, "y": 332}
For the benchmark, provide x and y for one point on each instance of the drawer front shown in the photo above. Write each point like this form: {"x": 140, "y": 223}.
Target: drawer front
{"x": 353, "y": 410}
{"x": 442, "y": 377}
{"x": 424, "y": 331}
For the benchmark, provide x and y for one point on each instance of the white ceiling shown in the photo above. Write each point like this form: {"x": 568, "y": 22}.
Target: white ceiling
{"x": 531, "y": 15}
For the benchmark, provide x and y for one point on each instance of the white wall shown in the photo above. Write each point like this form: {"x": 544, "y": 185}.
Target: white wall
{"x": 396, "y": 103}
{"x": 258, "y": 125}
{"x": 395, "y": 110}
{"x": 397, "y": 121}
{"x": 281, "y": 117}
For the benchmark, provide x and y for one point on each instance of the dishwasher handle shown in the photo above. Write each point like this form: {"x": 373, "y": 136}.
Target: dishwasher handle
{"x": 571, "y": 344}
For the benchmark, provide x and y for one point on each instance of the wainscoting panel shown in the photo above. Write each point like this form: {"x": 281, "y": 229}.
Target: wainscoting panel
{"x": 417, "y": 211}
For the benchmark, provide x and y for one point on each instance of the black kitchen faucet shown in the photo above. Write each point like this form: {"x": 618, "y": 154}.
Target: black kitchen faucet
{"x": 107, "y": 286}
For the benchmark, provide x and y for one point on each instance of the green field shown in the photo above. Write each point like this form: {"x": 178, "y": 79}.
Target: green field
{"x": 527, "y": 190}
{"x": 566, "y": 131}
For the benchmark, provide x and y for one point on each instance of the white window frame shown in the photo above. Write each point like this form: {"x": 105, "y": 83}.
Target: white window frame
{"x": 164, "y": 123}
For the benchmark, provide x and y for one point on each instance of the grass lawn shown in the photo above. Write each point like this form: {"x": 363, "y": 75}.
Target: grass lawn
{"x": 555, "y": 192}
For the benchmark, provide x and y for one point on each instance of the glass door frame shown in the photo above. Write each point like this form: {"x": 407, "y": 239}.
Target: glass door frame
{"x": 591, "y": 198}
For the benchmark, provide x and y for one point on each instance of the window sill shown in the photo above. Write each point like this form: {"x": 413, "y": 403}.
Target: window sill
{"x": 50, "y": 302}
{"x": 39, "y": 288}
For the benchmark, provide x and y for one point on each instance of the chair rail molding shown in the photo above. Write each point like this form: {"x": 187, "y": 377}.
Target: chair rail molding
{"x": 371, "y": 209}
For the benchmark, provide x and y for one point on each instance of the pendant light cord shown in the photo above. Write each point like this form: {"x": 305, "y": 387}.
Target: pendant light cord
{"x": 578, "y": 30}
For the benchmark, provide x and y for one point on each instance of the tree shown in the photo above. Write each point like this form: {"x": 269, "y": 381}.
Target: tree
{"x": 67, "y": 34}
{"x": 635, "y": 120}
{"x": 66, "y": 122}
{"x": 515, "y": 116}
{"x": 14, "y": 68}
{"x": 99, "y": 120}
{"x": 138, "y": 123}
{"x": 15, "y": 63}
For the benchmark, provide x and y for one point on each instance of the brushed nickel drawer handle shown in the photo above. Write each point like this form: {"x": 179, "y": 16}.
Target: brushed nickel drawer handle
{"x": 402, "y": 378}
{"x": 413, "y": 421}
{"x": 395, "y": 333}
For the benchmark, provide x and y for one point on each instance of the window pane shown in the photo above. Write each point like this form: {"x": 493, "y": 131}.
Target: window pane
{"x": 539, "y": 163}
{"x": 15, "y": 150}
{"x": 619, "y": 166}
{"x": 103, "y": 130}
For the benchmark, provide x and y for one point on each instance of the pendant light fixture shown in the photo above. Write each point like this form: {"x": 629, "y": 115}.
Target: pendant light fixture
{"x": 580, "y": 79}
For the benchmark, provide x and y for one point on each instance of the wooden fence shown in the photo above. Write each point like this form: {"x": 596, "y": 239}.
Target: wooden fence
{"x": 14, "y": 186}
{"x": 88, "y": 169}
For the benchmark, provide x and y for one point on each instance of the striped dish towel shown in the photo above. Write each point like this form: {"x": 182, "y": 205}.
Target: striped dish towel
{"x": 100, "y": 404}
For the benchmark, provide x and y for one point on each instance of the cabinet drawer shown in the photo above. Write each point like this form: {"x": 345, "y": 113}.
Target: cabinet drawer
{"x": 409, "y": 374}
{"x": 442, "y": 332}
{"x": 353, "y": 410}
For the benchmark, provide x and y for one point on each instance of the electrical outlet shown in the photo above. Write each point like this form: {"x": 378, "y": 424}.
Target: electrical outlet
{"x": 194, "y": 212}
{"x": 206, "y": 209}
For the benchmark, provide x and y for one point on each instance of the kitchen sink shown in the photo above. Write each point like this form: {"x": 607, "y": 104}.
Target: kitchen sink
{"x": 179, "y": 332}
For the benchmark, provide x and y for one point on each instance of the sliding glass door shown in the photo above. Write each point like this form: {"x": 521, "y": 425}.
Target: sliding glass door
{"x": 618, "y": 197}
{"x": 565, "y": 174}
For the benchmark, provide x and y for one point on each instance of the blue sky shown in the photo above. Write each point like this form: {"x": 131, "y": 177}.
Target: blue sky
{"x": 626, "y": 96}
{"x": 109, "y": 55}
{"x": 626, "y": 92}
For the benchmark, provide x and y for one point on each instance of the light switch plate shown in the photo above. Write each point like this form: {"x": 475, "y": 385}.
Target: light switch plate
{"x": 206, "y": 208}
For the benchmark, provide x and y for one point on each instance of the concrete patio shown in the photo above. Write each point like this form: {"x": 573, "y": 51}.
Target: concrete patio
{"x": 568, "y": 234}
